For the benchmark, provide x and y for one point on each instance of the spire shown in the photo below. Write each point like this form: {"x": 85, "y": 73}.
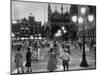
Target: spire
{"x": 49, "y": 8}
{"x": 61, "y": 8}
{"x": 49, "y": 11}
{"x": 67, "y": 10}
{"x": 55, "y": 8}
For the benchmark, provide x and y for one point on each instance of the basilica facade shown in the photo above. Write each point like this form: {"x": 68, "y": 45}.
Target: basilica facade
{"x": 57, "y": 20}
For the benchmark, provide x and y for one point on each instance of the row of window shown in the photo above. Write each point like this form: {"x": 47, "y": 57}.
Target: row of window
{"x": 36, "y": 30}
{"x": 88, "y": 33}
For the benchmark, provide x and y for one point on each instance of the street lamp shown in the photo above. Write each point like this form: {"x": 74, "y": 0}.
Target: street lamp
{"x": 84, "y": 61}
{"x": 64, "y": 31}
{"x": 81, "y": 20}
{"x": 83, "y": 10}
{"x": 90, "y": 18}
{"x": 63, "y": 28}
{"x": 59, "y": 31}
{"x": 74, "y": 18}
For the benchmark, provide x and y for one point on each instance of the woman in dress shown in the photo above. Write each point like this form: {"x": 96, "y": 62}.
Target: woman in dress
{"x": 28, "y": 60}
{"x": 18, "y": 60}
{"x": 51, "y": 66}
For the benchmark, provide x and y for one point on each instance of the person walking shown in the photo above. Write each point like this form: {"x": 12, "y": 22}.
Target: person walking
{"x": 80, "y": 45}
{"x": 18, "y": 60}
{"x": 51, "y": 66}
{"x": 65, "y": 59}
{"x": 38, "y": 53}
{"x": 28, "y": 60}
{"x": 68, "y": 49}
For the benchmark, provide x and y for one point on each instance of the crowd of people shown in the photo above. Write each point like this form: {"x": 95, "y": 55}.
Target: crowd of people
{"x": 58, "y": 50}
{"x": 32, "y": 50}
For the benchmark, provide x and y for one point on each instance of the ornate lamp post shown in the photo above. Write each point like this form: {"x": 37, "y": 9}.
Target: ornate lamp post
{"x": 63, "y": 31}
{"x": 82, "y": 20}
{"x": 90, "y": 19}
{"x": 84, "y": 61}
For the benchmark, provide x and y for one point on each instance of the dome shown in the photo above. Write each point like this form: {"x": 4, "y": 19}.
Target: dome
{"x": 56, "y": 15}
{"x": 66, "y": 14}
{"x": 67, "y": 17}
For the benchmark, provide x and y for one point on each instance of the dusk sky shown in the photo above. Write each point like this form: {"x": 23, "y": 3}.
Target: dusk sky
{"x": 39, "y": 10}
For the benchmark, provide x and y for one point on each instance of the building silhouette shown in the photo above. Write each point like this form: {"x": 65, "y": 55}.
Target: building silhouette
{"x": 57, "y": 20}
{"x": 25, "y": 28}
